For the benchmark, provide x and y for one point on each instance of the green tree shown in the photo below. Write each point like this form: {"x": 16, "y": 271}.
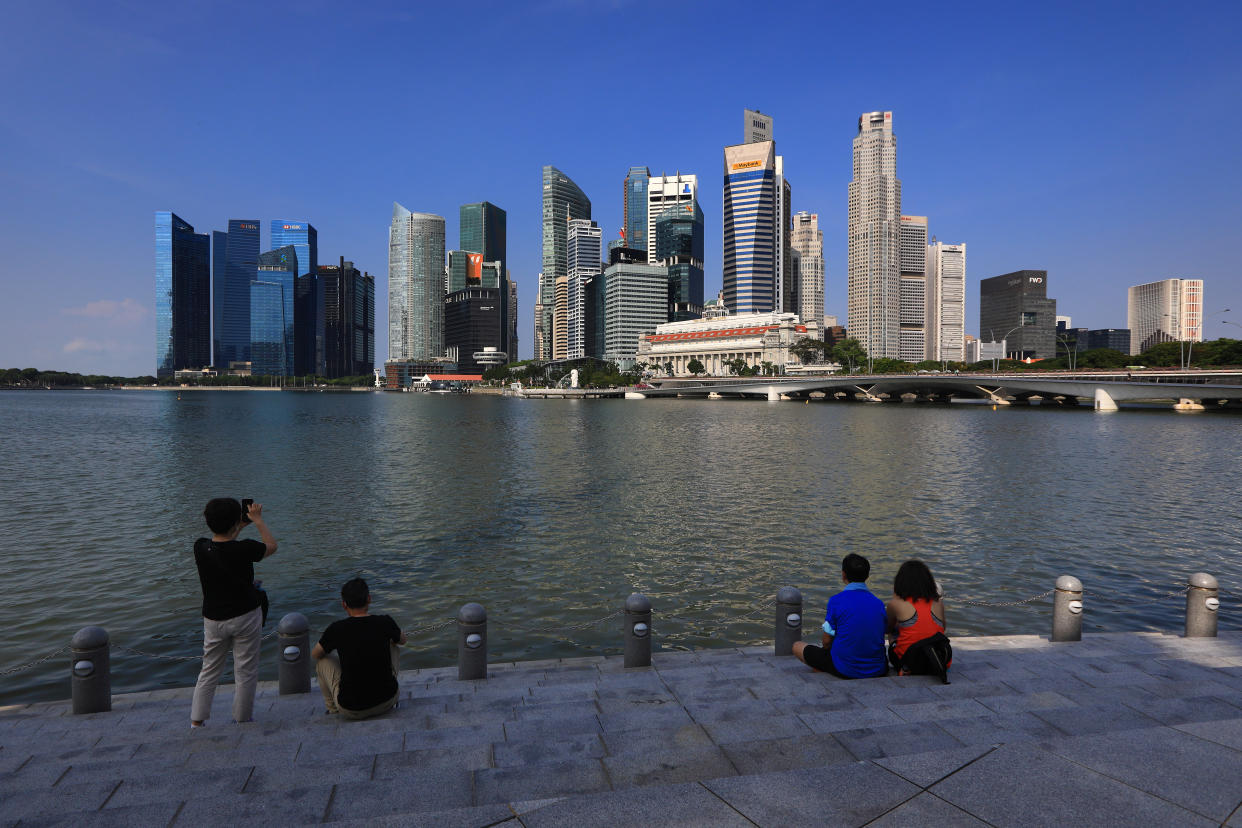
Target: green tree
{"x": 695, "y": 367}
{"x": 849, "y": 352}
{"x": 808, "y": 350}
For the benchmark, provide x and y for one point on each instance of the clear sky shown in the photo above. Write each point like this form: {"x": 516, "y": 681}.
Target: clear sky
{"x": 1098, "y": 141}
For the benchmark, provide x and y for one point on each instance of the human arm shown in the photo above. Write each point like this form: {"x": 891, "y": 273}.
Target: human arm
{"x": 398, "y": 635}
{"x": 255, "y": 514}
{"x": 318, "y": 652}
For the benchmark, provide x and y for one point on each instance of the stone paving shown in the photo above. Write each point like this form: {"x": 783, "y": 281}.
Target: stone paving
{"x": 1119, "y": 729}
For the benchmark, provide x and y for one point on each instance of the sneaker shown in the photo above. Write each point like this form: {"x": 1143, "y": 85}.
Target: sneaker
{"x": 199, "y": 726}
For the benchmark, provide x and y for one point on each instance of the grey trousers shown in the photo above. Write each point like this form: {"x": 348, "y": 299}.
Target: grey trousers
{"x": 243, "y": 635}
{"x": 328, "y": 671}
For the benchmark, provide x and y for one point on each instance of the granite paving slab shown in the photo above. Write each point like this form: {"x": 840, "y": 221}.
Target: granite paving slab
{"x": 816, "y": 750}
{"x": 131, "y": 816}
{"x": 668, "y": 766}
{"x": 288, "y": 807}
{"x": 839, "y": 795}
{"x": 553, "y": 779}
{"x": 426, "y": 790}
{"x": 929, "y": 767}
{"x": 926, "y": 809}
{"x": 669, "y": 806}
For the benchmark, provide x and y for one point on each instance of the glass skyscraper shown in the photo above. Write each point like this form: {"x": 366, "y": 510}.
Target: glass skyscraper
{"x": 750, "y": 228}
{"x": 562, "y": 201}
{"x": 308, "y": 319}
{"x": 415, "y": 286}
{"x": 235, "y": 265}
{"x": 267, "y": 328}
{"x": 483, "y": 229}
{"x": 182, "y": 296}
{"x": 635, "y": 208}
{"x": 280, "y": 266}
{"x": 679, "y": 247}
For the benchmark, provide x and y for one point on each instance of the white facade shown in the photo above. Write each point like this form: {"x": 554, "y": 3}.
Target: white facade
{"x": 1164, "y": 311}
{"x": 755, "y": 338}
{"x": 635, "y": 303}
{"x": 913, "y": 297}
{"x": 664, "y": 193}
{"x": 757, "y": 127}
{"x": 874, "y": 220}
{"x": 583, "y": 246}
{"x": 946, "y": 302}
{"x": 807, "y": 240}
{"x": 415, "y": 285}
{"x": 751, "y": 236}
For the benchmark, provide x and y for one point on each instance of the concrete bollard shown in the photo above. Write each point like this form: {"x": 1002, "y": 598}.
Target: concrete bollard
{"x": 471, "y": 642}
{"x": 295, "y": 658}
{"x": 1202, "y": 604}
{"x": 1067, "y": 610}
{"x": 90, "y": 670}
{"x": 638, "y": 631}
{"x": 788, "y": 623}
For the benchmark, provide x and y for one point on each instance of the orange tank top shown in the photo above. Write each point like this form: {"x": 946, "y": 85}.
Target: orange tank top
{"x": 923, "y": 624}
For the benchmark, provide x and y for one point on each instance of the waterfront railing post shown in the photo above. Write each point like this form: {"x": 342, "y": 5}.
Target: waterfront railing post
{"x": 638, "y": 631}
{"x": 294, "y": 637}
{"x": 1202, "y": 605}
{"x": 91, "y": 670}
{"x": 471, "y": 642}
{"x": 788, "y": 623}
{"x": 1067, "y": 609}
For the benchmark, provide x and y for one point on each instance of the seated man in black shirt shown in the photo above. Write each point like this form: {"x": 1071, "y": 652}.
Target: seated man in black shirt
{"x": 360, "y": 679}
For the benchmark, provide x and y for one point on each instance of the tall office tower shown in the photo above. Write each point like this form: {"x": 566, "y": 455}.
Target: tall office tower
{"x": 807, "y": 242}
{"x": 874, "y": 241}
{"x": 750, "y": 227}
{"x": 583, "y": 262}
{"x": 540, "y": 334}
{"x": 1165, "y": 311}
{"x": 512, "y": 317}
{"x": 679, "y": 248}
{"x": 308, "y": 309}
{"x": 757, "y": 127}
{"x": 279, "y": 267}
{"x": 415, "y": 286}
{"x": 234, "y": 265}
{"x": 637, "y": 232}
{"x": 786, "y": 283}
{"x": 562, "y": 201}
{"x": 483, "y": 229}
{"x": 635, "y": 298}
{"x": 667, "y": 193}
{"x": 349, "y": 319}
{"x": 182, "y": 296}
{"x": 1015, "y": 309}
{"x": 912, "y": 294}
{"x": 946, "y": 301}
{"x": 267, "y": 328}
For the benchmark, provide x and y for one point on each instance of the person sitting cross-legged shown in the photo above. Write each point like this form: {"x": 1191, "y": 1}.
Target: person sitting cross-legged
{"x": 853, "y": 641}
{"x": 357, "y": 659}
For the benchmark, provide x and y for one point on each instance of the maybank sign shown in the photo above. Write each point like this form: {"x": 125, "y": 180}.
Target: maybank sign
{"x": 746, "y": 165}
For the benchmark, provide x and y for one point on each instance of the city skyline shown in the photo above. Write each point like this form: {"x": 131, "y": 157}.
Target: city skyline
{"x": 1127, "y": 198}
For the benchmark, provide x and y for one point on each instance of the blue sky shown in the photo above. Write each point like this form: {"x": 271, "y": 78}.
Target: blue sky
{"x": 1099, "y": 141}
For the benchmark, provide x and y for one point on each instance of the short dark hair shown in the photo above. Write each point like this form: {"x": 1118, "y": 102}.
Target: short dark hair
{"x": 855, "y": 567}
{"x": 355, "y": 593}
{"x": 222, "y": 514}
{"x": 914, "y": 580}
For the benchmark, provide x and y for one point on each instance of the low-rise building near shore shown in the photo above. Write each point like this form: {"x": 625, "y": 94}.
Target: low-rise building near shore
{"x": 755, "y": 338}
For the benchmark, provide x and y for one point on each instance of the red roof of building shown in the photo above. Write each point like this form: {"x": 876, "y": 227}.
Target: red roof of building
{"x": 716, "y": 334}
{"x": 455, "y": 377}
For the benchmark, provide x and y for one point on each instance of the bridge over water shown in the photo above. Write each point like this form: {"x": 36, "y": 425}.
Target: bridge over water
{"x": 1185, "y": 390}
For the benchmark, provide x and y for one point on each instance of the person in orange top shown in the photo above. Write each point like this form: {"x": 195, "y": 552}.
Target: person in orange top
{"x": 915, "y": 620}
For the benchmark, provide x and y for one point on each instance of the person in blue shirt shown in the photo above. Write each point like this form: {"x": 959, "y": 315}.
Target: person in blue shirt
{"x": 853, "y": 643}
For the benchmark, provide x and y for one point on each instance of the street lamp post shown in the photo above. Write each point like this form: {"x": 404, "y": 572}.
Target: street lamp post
{"x": 1070, "y": 354}
{"x": 1203, "y": 319}
{"x": 1005, "y": 338}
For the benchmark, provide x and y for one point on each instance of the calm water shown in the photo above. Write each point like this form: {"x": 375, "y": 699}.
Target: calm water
{"x": 551, "y": 512}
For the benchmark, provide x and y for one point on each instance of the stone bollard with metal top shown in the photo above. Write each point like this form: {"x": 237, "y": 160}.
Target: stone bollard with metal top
{"x": 638, "y": 631}
{"x": 1067, "y": 609}
{"x": 295, "y": 657}
{"x": 471, "y": 642}
{"x": 788, "y": 620}
{"x": 1202, "y": 605}
{"x": 91, "y": 671}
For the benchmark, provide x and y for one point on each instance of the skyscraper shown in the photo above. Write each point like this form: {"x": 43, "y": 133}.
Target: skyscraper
{"x": 279, "y": 267}
{"x": 415, "y": 286}
{"x": 750, "y": 227}
{"x": 308, "y": 339}
{"x": 874, "y": 241}
{"x": 1015, "y": 309}
{"x": 635, "y": 298}
{"x": 667, "y": 193}
{"x": 583, "y": 262}
{"x": 513, "y": 317}
{"x": 1165, "y": 311}
{"x": 182, "y": 296}
{"x": 637, "y": 227}
{"x": 912, "y": 295}
{"x": 946, "y": 301}
{"x": 679, "y": 248}
{"x": 483, "y": 229}
{"x": 786, "y": 300}
{"x": 234, "y": 266}
{"x": 349, "y": 320}
{"x": 562, "y": 201}
{"x": 807, "y": 243}
{"x": 756, "y": 127}
{"x": 267, "y": 328}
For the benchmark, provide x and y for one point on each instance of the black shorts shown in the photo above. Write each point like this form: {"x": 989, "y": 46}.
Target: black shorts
{"x": 821, "y": 659}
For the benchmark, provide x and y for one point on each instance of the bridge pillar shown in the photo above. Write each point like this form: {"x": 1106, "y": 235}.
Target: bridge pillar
{"x": 635, "y": 395}
{"x": 712, "y": 395}
{"x": 773, "y": 394}
{"x": 1104, "y": 401}
{"x": 1187, "y": 404}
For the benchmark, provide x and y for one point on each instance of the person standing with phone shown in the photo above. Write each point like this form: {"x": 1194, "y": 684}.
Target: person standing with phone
{"x": 232, "y": 605}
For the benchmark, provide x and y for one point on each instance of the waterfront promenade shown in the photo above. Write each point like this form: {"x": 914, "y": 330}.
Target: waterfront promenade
{"x": 1118, "y": 729}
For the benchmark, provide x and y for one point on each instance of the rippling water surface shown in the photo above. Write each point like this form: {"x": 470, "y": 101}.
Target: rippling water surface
{"x": 551, "y": 512}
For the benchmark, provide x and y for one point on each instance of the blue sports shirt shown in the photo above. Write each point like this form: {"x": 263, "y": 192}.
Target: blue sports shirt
{"x": 855, "y": 620}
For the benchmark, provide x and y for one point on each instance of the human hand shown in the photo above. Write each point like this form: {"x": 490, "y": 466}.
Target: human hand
{"x": 255, "y": 513}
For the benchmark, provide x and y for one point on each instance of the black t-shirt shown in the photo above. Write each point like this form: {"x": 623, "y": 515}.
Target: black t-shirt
{"x": 362, "y": 643}
{"x": 226, "y": 572}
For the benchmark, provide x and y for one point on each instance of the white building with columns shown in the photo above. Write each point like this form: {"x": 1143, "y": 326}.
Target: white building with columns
{"x": 753, "y": 337}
